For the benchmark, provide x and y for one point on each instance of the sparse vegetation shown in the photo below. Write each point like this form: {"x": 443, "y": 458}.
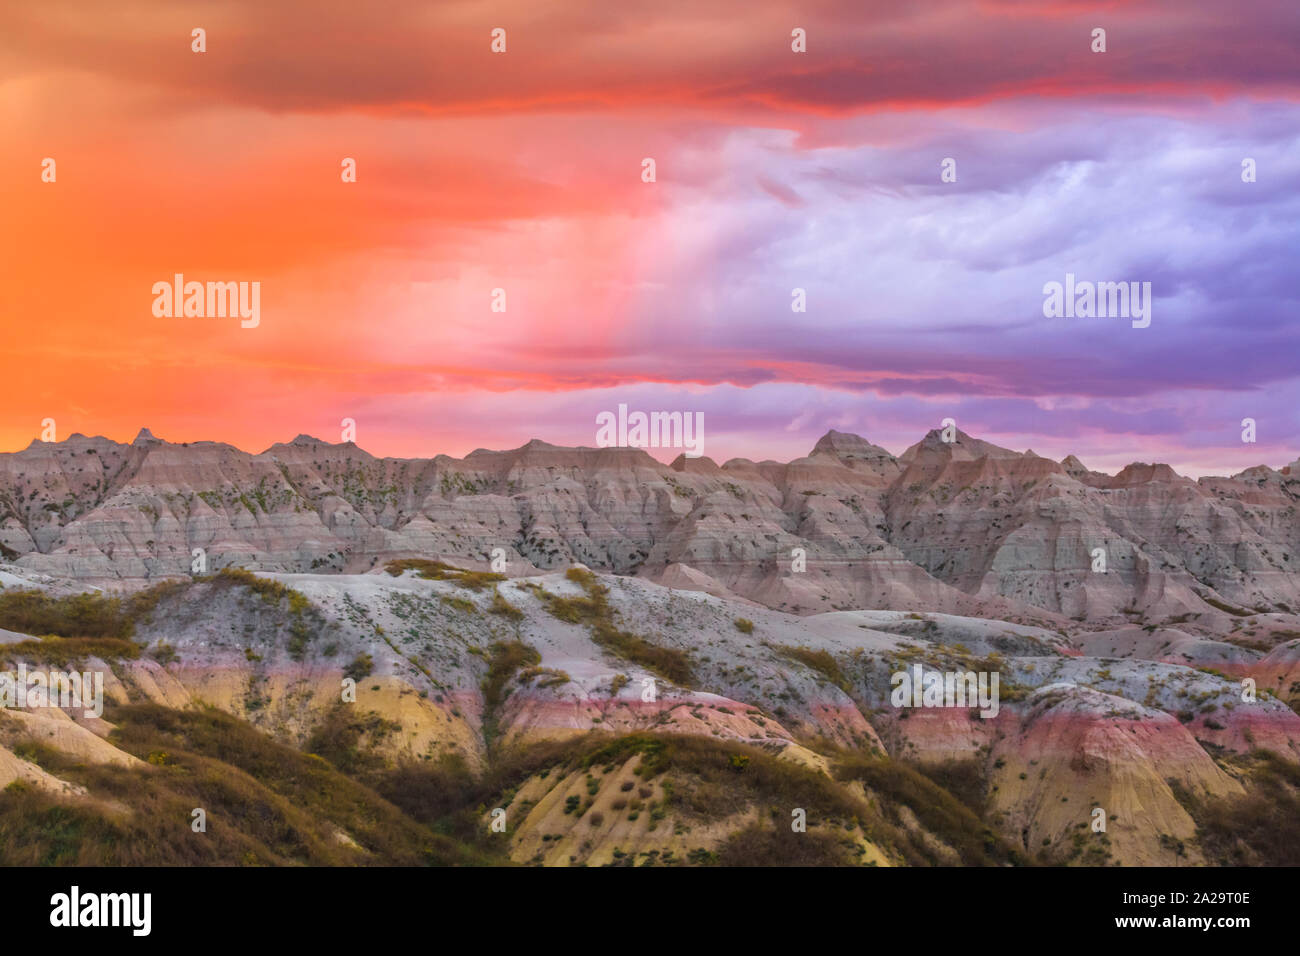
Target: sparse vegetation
{"x": 957, "y": 825}
{"x": 362, "y": 666}
{"x": 65, "y": 651}
{"x": 507, "y": 658}
{"x": 351, "y": 741}
{"x": 775, "y": 844}
{"x": 81, "y": 616}
{"x": 464, "y": 605}
{"x": 546, "y": 677}
{"x": 1227, "y": 608}
{"x": 592, "y": 609}
{"x": 823, "y": 662}
{"x": 440, "y": 571}
{"x": 1261, "y": 828}
{"x": 164, "y": 653}
{"x": 304, "y": 620}
{"x": 504, "y": 608}
{"x": 288, "y": 805}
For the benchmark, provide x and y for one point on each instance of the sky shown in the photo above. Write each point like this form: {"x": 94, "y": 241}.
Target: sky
{"x": 775, "y": 170}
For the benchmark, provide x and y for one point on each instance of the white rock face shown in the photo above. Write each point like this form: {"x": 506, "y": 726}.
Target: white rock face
{"x": 1071, "y": 732}
{"x": 964, "y": 527}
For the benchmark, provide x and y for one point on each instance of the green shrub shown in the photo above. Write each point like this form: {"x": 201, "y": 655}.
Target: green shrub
{"x": 164, "y": 654}
{"x": 64, "y": 651}
{"x": 440, "y": 571}
{"x": 351, "y": 742}
{"x": 819, "y": 660}
{"x": 780, "y": 846}
{"x": 546, "y": 677}
{"x": 507, "y": 658}
{"x": 362, "y": 666}
{"x": 89, "y": 615}
{"x": 504, "y": 608}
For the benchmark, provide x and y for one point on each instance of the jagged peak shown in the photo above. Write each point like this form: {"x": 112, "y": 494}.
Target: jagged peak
{"x": 962, "y": 447}
{"x": 843, "y": 445}
{"x": 304, "y": 440}
{"x": 847, "y": 445}
{"x": 1074, "y": 467}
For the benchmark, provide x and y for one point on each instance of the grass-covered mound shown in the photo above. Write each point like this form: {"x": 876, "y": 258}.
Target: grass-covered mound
{"x": 1260, "y": 828}
{"x": 266, "y": 804}
{"x": 440, "y": 571}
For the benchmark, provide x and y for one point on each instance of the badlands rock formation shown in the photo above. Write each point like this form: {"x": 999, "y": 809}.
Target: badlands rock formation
{"x": 436, "y": 680}
{"x": 757, "y": 610}
{"x": 960, "y": 527}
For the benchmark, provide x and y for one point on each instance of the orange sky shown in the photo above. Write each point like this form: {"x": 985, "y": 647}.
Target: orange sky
{"x": 478, "y": 171}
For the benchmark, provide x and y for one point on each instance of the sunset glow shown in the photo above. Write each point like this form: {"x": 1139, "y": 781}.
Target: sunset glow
{"x": 775, "y": 171}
